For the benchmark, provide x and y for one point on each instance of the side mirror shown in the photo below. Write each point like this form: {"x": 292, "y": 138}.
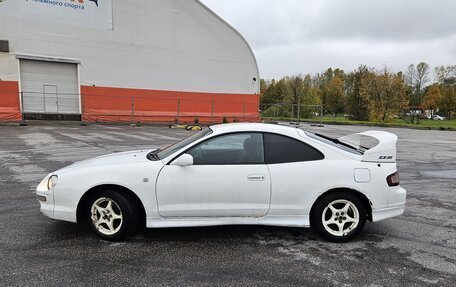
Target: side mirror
{"x": 183, "y": 160}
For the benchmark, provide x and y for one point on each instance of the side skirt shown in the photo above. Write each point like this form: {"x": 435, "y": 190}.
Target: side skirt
{"x": 289, "y": 221}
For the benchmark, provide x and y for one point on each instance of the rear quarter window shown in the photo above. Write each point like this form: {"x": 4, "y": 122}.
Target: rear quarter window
{"x": 335, "y": 143}
{"x": 282, "y": 149}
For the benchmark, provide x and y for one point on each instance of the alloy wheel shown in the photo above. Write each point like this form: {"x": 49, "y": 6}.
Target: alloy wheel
{"x": 107, "y": 217}
{"x": 340, "y": 217}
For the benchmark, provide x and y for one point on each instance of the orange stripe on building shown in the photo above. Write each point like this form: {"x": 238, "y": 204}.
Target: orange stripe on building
{"x": 105, "y": 104}
{"x": 9, "y": 101}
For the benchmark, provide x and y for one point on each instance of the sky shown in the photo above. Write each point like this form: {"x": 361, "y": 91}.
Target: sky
{"x": 292, "y": 37}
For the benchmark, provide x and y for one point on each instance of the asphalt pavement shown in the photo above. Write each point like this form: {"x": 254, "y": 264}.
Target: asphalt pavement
{"x": 415, "y": 249}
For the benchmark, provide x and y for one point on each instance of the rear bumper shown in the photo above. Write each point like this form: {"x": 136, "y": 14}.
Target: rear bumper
{"x": 381, "y": 214}
{"x": 395, "y": 207}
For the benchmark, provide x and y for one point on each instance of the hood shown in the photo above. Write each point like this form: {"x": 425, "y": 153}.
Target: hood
{"x": 115, "y": 158}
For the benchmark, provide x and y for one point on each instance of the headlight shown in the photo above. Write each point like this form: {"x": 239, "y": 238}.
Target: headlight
{"x": 43, "y": 186}
{"x": 52, "y": 182}
{"x": 48, "y": 183}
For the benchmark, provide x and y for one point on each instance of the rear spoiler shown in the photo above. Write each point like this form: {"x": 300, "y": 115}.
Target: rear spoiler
{"x": 385, "y": 150}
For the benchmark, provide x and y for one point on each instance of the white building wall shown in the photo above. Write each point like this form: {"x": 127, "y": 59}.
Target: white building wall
{"x": 176, "y": 45}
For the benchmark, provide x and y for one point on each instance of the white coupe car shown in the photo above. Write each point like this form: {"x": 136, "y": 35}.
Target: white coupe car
{"x": 234, "y": 174}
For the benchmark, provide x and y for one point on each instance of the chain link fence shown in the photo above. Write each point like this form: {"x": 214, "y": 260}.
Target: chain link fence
{"x": 10, "y": 109}
{"x": 134, "y": 109}
{"x": 58, "y": 103}
{"x": 145, "y": 109}
{"x": 292, "y": 112}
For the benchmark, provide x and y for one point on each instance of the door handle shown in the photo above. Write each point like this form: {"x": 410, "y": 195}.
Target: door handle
{"x": 256, "y": 177}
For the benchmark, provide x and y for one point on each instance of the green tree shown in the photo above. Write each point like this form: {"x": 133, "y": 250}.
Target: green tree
{"x": 335, "y": 98}
{"x": 301, "y": 94}
{"x": 432, "y": 98}
{"x": 264, "y": 85}
{"x": 311, "y": 98}
{"x": 448, "y": 102}
{"x": 272, "y": 92}
{"x": 417, "y": 77}
{"x": 295, "y": 88}
{"x": 272, "y": 98}
{"x": 386, "y": 94}
{"x": 322, "y": 81}
{"x": 357, "y": 105}
{"x": 444, "y": 72}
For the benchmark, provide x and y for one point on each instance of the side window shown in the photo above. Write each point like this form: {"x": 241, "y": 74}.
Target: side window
{"x": 281, "y": 149}
{"x": 232, "y": 149}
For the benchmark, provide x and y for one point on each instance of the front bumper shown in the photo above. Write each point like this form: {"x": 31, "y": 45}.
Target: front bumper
{"x": 46, "y": 200}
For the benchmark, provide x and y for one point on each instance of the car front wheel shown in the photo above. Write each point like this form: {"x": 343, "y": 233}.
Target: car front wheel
{"x": 339, "y": 217}
{"x": 111, "y": 215}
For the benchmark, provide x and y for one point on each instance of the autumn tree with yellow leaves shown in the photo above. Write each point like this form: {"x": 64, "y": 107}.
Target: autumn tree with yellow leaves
{"x": 385, "y": 93}
{"x": 363, "y": 94}
{"x": 432, "y": 98}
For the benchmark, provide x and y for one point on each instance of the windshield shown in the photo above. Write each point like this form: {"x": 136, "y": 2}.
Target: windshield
{"x": 164, "y": 153}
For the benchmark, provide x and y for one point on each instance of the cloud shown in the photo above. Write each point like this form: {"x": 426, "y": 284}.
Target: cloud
{"x": 296, "y": 36}
{"x": 398, "y": 20}
{"x": 277, "y": 61}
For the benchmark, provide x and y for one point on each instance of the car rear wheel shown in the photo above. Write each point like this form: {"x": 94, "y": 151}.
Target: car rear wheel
{"x": 339, "y": 217}
{"x": 111, "y": 215}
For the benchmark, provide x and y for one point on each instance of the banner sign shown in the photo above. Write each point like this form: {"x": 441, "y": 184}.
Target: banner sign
{"x": 91, "y": 13}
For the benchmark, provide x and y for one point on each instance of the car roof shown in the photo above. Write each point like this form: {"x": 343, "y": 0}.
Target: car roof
{"x": 253, "y": 127}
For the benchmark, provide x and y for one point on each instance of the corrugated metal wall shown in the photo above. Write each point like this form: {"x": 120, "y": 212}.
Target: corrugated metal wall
{"x": 49, "y": 87}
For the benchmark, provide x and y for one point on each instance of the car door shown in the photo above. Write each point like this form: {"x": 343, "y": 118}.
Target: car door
{"x": 228, "y": 178}
{"x": 297, "y": 170}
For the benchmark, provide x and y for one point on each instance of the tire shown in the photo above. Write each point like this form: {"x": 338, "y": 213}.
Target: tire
{"x": 339, "y": 217}
{"x": 111, "y": 215}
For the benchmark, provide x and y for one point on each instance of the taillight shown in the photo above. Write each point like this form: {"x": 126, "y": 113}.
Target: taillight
{"x": 393, "y": 180}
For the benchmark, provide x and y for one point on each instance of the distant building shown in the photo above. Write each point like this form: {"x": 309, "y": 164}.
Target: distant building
{"x": 143, "y": 60}
{"x": 450, "y": 81}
